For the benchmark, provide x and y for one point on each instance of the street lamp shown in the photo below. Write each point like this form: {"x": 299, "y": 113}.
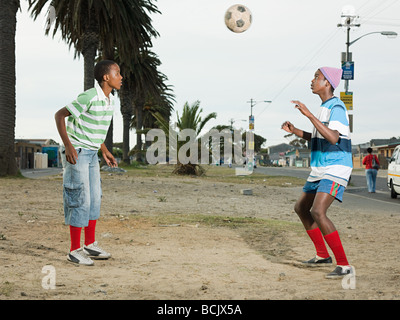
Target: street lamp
{"x": 253, "y": 103}
{"x": 250, "y": 136}
{"x": 389, "y": 34}
{"x": 349, "y": 20}
{"x": 232, "y": 121}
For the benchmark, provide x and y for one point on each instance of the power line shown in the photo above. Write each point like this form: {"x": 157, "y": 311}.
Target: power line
{"x": 379, "y": 23}
{"x": 366, "y": 19}
{"x": 371, "y": 9}
{"x": 317, "y": 52}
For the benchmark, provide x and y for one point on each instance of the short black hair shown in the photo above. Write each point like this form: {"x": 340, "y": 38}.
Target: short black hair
{"x": 102, "y": 68}
{"x": 369, "y": 150}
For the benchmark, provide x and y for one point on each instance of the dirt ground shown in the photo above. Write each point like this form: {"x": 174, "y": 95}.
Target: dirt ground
{"x": 186, "y": 238}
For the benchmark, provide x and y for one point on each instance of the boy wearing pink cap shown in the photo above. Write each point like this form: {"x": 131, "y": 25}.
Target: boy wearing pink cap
{"x": 331, "y": 167}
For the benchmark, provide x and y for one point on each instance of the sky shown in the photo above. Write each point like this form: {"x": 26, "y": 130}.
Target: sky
{"x": 274, "y": 60}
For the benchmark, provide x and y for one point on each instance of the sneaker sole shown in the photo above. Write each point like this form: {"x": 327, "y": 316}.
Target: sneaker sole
{"x": 316, "y": 265}
{"x": 334, "y": 277}
{"x": 77, "y": 263}
{"x": 98, "y": 257}
{"x": 94, "y": 256}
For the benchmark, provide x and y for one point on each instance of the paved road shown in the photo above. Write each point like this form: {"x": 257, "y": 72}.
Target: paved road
{"x": 357, "y": 195}
{"x": 38, "y": 173}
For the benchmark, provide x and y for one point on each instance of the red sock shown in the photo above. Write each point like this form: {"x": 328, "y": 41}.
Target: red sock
{"x": 319, "y": 243}
{"x": 90, "y": 232}
{"x": 75, "y": 233}
{"x": 333, "y": 240}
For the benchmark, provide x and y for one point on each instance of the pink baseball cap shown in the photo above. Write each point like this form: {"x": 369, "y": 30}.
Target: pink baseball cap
{"x": 333, "y": 75}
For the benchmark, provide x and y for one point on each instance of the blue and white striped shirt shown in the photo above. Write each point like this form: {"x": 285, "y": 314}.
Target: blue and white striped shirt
{"x": 333, "y": 162}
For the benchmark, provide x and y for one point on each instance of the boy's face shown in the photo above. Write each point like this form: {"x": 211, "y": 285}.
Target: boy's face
{"x": 114, "y": 78}
{"x": 319, "y": 83}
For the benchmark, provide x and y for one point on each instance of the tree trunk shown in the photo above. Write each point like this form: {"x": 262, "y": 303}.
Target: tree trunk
{"x": 90, "y": 44}
{"x": 89, "y": 51}
{"x": 8, "y": 24}
{"x": 126, "y": 111}
{"x": 125, "y": 148}
{"x": 109, "y": 138}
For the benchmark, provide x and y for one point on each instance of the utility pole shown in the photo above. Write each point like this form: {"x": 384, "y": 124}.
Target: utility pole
{"x": 250, "y": 136}
{"x": 347, "y": 56}
{"x": 348, "y": 21}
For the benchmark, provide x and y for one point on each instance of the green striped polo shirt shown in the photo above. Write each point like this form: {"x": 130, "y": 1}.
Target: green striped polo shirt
{"x": 91, "y": 115}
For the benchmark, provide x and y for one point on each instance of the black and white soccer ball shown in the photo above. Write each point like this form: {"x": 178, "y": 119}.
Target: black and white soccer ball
{"x": 238, "y": 18}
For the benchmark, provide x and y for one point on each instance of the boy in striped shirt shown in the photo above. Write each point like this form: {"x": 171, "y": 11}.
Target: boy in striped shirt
{"x": 88, "y": 121}
{"x": 331, "y": 167}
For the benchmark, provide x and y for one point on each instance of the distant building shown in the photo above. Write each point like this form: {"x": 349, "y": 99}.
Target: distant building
{"x": 383, "y": 148}
{"x": 287, "y": 155}
{"x": 28, "y": 153}
{"x": 298, "y": 158}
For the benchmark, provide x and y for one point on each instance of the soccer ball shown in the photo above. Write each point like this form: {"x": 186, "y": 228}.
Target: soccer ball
{"x": 238, "y": 18}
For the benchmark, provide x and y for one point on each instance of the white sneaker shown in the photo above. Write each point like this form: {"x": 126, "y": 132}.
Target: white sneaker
{"x": 95, "y": 252}
{"x": 340, "y": 272}
{"x": 78, "y": 256}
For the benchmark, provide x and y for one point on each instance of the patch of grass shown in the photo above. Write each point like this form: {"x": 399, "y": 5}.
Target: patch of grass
{"x": 215, "y": 174}
{"x": 271, "y": 238}
{"x": 141, "y": 170}
{"x": 6, "y": 288}
{"x": 225, "y": 221}
{"x": 17, "y": 176}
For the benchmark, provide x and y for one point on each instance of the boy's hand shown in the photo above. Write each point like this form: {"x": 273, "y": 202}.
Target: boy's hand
{"x": 70, "y": 154}
{"x": 302, "y": 108}
{"x": 288, "y": 127}
{"x": 109, "y": 158}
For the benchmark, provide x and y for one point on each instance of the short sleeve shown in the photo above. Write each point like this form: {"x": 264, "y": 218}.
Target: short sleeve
{"x": 80, "y": 105}
{"x": 339, "y": 120}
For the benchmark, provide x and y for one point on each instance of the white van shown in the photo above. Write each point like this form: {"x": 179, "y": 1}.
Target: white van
{"x": 394, "y": 173}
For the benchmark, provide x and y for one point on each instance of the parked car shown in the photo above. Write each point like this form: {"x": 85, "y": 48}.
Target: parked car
{"x": 394, "y": 173}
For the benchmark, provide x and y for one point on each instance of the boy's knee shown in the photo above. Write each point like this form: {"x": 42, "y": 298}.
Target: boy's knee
{"x": 296, "y": 208}
{"x": 299, "y": 208}
{"x": 317, "y": 214}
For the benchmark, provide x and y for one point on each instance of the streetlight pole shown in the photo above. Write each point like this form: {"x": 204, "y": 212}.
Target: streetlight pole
{"x": 253, "y": 103}
{"x": 250, "y": 136}
{"x": 349, "y": 23}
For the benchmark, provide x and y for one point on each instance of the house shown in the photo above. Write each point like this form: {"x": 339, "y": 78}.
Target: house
{"x": 386, "y": 147}
{"x": 385, "y": 152}
{"x": 28, "y": 153}
{"x": 298, "y": 158}
{"x": 277, "y": 153}
{"x": 383, "y": 148}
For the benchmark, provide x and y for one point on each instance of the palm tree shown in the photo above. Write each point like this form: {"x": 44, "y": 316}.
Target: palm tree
{"x": 143, "y": 87}
{"x": 90, "y": 25}
{"x": 190, "y": 119}
{"x": 102, "y": 25}
{"x": 150, "y": 92}
{"x": 8, "y": 24}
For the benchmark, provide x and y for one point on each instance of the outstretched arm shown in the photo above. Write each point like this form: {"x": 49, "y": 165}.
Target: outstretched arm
{"x": 331, "y": 135}
{"x": 289, "y": 127}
